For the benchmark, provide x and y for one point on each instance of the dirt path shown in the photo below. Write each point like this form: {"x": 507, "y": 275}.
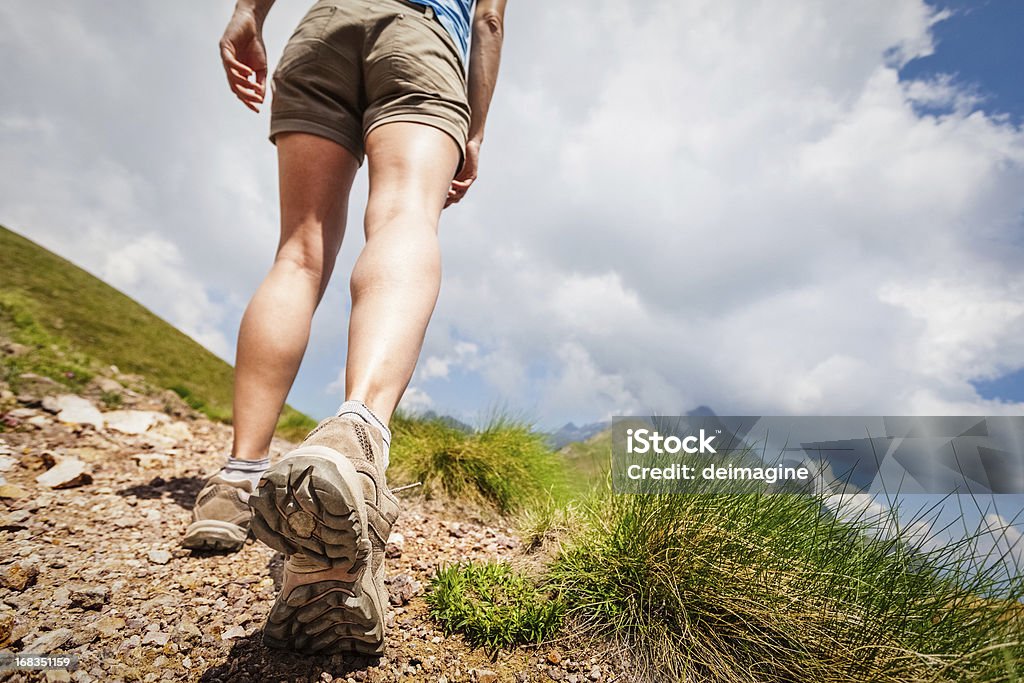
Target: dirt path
{"x": 95, "y": 570}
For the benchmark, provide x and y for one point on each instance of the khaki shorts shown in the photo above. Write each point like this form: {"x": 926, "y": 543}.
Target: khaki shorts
{"x": 353, "y": 65}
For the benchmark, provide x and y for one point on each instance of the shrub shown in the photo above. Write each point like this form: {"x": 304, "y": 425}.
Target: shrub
{"x": 492, "y": 605}
{"x": 761, "y": 587}
{"x": 506, "y": 464}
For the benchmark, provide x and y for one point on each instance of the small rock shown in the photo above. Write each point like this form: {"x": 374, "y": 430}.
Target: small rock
{"x": 486, "y": 676}
{"x": 15, "y": 521}
{"x": 159, "y": 556}
{"x": 57, "y": 676}
{"x": 158, "y": 638}
{"x": 189, "y": 630}
{"x": 6, "y": 627}
{"x": 150, "y": 460}
{"x": 67, "y": 473}
{"x": 74, "y": 410}
{"x": 556, "y": 674}
{"x": 7, "y": 463}
{"x": 12, "y": 491}
{"x": 178, "y": 431}
{"x": 232, "y": 633}
{"x": 554, "y": 657}
{"x": 395, "y": 546}
{"x": 131, "y": 421}
{"x": 595, "y": 673}
{"x": 50, "y": 642}
{"x": 402, "y": 589}
{"x": 90, "y": 598}
{"x": 109, "y": 626}
{"x": 19, "y": 575}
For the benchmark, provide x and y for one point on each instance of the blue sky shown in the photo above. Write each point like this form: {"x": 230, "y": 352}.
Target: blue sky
{"x": 980, "y": 44}
{"x": 795, "y": 208}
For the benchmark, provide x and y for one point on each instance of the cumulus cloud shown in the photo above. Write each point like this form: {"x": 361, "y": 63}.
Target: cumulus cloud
{"x": 710, "y": 202}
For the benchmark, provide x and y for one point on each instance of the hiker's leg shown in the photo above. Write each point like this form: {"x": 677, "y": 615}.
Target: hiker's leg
{"x": 315, "y": 177}
{"x": 397, "y": 276}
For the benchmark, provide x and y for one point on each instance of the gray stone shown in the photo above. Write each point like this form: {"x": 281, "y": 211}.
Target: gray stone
{"x": 68, "y": 472}
{"x": 49, "y": 642}
{"x": 74, "y": 410}
{"x": 159, "y": 556}
{"x": 132, "y": 421}
{"x": 93, "y": 597}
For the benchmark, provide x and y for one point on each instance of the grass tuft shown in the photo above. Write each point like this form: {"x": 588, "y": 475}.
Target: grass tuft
{"x": 506, "y": 464}
{"x": 492, "y": 605}
{"x": 760, "y": 587}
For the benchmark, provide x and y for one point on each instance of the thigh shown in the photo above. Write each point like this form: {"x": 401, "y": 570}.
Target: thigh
{"x": 315, "y": 177}
{"x": 411, "y": 168}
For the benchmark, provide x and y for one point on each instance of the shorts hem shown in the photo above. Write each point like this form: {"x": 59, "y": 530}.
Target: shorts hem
{"x": 298, "y": 124}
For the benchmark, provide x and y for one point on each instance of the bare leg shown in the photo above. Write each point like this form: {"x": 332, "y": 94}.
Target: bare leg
{"x": 315, "y": 178}
{"x": 397, "y": 276}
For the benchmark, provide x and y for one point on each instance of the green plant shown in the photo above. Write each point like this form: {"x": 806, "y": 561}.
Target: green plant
{"x": 112, "y": 399}
{"x": 493, "y": 605}
{"x": 761, "y": 587}
{"x": 44, "y": 353}
{"x": 506, "y": 464}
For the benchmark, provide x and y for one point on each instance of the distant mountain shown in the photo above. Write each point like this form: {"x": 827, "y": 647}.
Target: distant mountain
{"x": 447, "y": 420}
{"x": 570, "y": 433}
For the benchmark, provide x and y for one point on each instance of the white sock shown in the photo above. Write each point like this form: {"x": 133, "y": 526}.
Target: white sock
{"x": 245, "y": 469}
{"x": 359, "y": 409}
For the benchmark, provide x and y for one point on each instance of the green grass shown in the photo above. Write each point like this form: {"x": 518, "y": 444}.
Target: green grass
{"x": 757, "y": 587}
{"x": 493, "y": 605}
{"x": 76, "y": 326}
{"x": 505, "y": 465}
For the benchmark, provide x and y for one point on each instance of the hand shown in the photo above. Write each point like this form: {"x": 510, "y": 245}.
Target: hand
{"x": 466, "y": 176}
{"x": 245, "y": 58}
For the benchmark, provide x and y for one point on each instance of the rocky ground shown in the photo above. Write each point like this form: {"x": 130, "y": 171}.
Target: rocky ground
{"x": 93, "y": 502}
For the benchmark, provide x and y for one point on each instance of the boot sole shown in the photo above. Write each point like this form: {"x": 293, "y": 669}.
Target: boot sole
{"x": 311, "y": 502}
{"x": 213, "y": 534}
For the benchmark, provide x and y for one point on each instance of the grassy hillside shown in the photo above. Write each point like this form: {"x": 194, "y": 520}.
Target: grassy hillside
{"x": 74, "y": 324}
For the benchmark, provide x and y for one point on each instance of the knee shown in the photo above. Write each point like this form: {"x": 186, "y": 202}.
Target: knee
{"x": 405, "y": 210}
{"x": 307, "y": 259}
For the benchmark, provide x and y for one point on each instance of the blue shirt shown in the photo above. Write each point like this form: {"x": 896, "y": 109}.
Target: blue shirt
{"x": 456, "y": 16}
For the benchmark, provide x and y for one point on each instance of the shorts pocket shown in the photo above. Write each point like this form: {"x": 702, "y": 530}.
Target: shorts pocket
{"x": 308, "y": 39}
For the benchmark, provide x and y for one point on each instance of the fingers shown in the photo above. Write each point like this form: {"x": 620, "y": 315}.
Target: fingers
{"x": 249, "y": 92}
{"x": 227, "y": 55}
{"x": 458, "y": 190}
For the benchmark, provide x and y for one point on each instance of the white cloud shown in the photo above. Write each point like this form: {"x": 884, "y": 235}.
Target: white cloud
{"x": 415, "y": 400}
{"x": 710, "y": 202}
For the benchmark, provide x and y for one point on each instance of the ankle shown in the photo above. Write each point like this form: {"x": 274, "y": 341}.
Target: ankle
{"x": 359, "y": 409}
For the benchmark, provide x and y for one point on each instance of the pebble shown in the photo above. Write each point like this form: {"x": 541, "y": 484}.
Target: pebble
{"x": 12, "y": 491}
{"x": 232, "y": 633}
{"x": 19, "y": 575}
{"x": 74, "y": 410}
{"x": 156, "y": 638}
{"x": 395, "y": 546}
{"x": 159, "y": 556}
{"x": 50, "y": 642}
{"x": 67, "y": 473}
{"x": 90, "y": 598}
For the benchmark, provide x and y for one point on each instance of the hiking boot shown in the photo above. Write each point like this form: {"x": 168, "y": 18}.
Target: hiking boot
{"x": 327, "y": 507}
{"x": 220, "y": 516}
